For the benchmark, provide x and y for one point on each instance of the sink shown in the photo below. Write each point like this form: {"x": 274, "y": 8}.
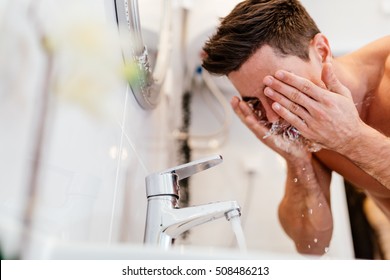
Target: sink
{"x": 83, "y": 251}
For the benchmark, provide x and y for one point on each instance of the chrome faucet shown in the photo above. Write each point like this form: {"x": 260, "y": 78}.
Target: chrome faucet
{"x": 165, "y": 221}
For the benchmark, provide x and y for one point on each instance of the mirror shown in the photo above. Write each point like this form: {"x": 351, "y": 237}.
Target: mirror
{"x": 150, "y": 68}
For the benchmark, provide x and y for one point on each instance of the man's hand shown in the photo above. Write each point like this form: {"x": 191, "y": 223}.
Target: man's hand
{"x": 304, "y": 211}
{"x": 325, "y": 115}
{"x": 287, "y": 149}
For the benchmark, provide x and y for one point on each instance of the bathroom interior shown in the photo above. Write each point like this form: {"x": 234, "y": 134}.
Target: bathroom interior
{"x": 84, "y": 144}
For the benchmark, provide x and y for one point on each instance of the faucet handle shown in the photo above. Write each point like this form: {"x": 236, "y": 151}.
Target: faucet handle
{"x": 166, "y": 182}
{"x": 188, "y": 169}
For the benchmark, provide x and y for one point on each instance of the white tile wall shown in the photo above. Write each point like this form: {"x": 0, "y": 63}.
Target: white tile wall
{"x": 350, "y": 24}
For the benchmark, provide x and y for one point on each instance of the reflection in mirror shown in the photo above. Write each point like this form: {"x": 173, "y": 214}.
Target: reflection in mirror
{"x": 149, "y": 78}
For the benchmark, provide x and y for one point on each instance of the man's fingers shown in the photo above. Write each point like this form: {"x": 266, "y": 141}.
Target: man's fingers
{"x": 298, "y": 83}
{"x": 331, "y": 81}
{"x": 235, "y": 103}
{"x": 290, "y": 117}
{"x": 296, "y": 102}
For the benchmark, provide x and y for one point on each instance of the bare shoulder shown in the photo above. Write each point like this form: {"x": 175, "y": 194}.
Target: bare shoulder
{"x": 377, "y": 52}
{"x": 370, "y": 63}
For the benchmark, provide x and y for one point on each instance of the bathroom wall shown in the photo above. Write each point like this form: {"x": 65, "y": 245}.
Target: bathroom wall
{"x": 350, "y": 24}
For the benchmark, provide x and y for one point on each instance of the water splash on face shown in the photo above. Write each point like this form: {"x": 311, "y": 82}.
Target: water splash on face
{"x": 288, "y": 133}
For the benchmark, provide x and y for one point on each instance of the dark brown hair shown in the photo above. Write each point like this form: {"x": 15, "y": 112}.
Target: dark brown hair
{"x": 284, "y": 25}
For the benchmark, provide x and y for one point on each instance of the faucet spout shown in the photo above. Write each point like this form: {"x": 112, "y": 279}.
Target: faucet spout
{"x": 184, "y": 219}
{"x": 168, "y": 222}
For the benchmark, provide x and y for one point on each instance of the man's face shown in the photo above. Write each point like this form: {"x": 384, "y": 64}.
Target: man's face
{"x": 248, "y": 80}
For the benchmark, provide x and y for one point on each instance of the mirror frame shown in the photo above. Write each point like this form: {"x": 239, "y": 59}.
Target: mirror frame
{"x": 148, "y": 88}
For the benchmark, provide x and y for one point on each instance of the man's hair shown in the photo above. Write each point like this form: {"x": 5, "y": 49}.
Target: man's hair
{"x": 284, "y": 25}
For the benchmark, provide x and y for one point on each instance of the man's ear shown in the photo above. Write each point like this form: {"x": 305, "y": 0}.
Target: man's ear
{"x": 321, "y": 47}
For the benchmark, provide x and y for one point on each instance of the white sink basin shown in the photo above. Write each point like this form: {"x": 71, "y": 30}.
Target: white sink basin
{"x": 140, "y": 252}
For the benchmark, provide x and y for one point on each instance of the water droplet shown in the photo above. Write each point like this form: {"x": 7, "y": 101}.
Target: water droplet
{"x": 311, "y": 211}
{"x": 315, "y": 240}
{"x": 295, "y": 180}
{"x": 308, "y": 246}
{"x": 326, "y": 249}
{"x": 320, "y": 205}
{"x": 304, "y": 169}
{"x": 303, "y": 215}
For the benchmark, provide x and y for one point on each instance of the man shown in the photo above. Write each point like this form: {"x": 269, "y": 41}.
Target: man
{"x": 320, "y": 113}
